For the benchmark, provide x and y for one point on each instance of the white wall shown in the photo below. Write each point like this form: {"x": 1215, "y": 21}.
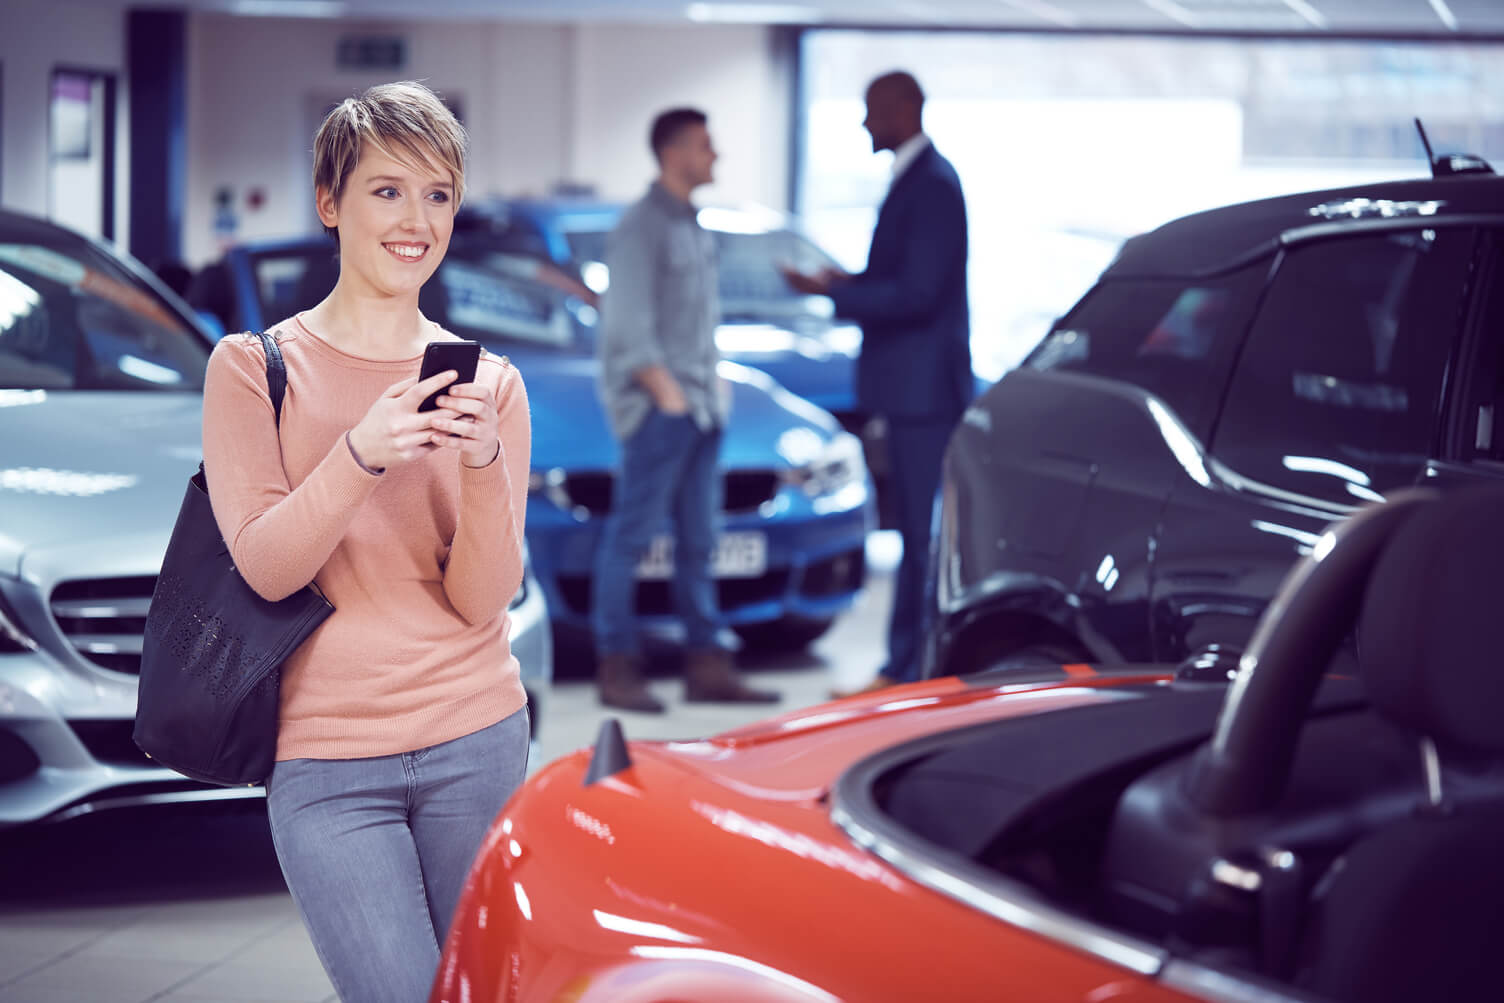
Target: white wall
{"x": 624, "y": 74}
{"x": 543, "y": 102}
{"x": 37, "y": 36}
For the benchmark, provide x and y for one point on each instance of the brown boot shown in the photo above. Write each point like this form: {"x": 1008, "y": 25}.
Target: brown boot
{"x": 709, "y": 678}
{"x": 619, "y": 681}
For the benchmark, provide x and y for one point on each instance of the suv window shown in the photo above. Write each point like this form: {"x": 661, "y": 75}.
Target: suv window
{"x": 1338, "y": 391}
{"x": 71, "y": 318}
{"x": 1170, "y": 336}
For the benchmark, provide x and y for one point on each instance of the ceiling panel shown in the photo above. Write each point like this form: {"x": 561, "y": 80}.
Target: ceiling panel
{"x": 1458, "y": 18}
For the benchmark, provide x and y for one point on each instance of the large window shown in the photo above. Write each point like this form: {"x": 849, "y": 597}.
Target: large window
{"x": 1338, "y": 391}
{"x": 1067, "y": 144}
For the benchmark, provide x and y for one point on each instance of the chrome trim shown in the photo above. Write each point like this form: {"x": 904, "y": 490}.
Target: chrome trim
{"x": 1219, "y": 987}
{"x": 954, "y": 876}
{"x": 107, "y": 644}
{"x": 1225, "y": 872}
{"x": 1431, "y": 763}
{"x": 1002, "y": 899}
{"x": 99, "y": 804}
{"x": 101, "y": 609}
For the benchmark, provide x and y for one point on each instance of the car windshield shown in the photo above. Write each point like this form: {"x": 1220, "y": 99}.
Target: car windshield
{"x": 74, "y": 318}
{"x": 503, "y": 300}
{"x": 751, "y": 287}
{"x": 494, "y": 297}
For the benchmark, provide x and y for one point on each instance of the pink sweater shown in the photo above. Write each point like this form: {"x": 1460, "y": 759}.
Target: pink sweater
{"x": 419, "y": 562}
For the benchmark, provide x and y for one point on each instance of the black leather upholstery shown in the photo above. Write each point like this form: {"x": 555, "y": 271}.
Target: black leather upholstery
{"x": 1429, "y": 635}
{"x": 1414, "y": 910}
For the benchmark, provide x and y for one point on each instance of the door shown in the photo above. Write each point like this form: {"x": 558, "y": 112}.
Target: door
{"x": 1337, "y": 398}
{"x": 81, "y": 152}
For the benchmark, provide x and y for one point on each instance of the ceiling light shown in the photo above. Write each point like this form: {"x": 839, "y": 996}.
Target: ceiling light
{"x": 752, "y": 13}
{"x": 288, "y": 8}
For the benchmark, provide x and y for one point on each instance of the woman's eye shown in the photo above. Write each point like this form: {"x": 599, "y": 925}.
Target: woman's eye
{"x": 387, "y": 192}
{"x": 439, "y": 197}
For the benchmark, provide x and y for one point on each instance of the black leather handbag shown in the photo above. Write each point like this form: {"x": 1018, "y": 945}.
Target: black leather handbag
{"x": 213, "y": 649}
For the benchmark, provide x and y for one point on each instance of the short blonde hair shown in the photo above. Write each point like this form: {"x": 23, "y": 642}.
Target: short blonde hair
{"x": 404, "y": 120}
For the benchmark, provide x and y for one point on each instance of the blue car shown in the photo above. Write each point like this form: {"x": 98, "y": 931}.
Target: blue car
{"x": 791, "y": 337}
{"x": 798, "y": 497}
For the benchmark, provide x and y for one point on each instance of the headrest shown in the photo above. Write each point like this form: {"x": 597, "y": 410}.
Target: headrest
{"x": 1431, "y": 630}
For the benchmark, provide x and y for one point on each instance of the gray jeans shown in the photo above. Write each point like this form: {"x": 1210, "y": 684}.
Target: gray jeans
{"x": 375, "y": 852}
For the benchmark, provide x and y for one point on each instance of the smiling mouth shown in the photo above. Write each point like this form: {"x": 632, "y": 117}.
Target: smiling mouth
{"x": 407, "y": 252}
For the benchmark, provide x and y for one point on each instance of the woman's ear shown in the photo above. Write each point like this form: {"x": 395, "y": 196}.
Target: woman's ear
{"x": 328, "y": 208}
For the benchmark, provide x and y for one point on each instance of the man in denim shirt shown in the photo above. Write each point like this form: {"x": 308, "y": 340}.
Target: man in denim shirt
{"x": 667, "y": 408}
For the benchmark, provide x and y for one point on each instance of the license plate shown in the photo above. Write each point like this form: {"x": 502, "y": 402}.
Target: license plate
{"x": 736, "y": 555}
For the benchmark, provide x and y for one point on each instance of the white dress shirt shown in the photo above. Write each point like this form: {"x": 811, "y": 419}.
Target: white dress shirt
{"x": 908, "y": 151}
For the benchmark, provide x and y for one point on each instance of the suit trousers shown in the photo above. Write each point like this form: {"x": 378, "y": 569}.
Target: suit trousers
{"x": 916, "y": 452}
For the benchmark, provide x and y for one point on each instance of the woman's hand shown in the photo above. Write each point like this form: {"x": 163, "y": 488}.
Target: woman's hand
{"x": 394, "y": 431}
{"x": 473, "y": 430}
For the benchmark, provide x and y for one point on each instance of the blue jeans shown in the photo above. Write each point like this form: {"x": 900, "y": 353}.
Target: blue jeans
{"x": 375, "y": 851}
{"x": 668, "y": 473}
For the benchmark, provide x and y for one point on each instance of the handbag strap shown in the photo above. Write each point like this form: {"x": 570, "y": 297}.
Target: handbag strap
{"x": 276, "y": 372}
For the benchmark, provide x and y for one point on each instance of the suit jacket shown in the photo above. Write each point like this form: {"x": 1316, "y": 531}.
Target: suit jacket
{"x": 911, "y": 300}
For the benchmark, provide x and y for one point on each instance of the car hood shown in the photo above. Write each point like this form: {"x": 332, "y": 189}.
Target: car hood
{"x": 799, "y": 756}
{"x": 92, "y": 481}
{"x": 570, "y": 430}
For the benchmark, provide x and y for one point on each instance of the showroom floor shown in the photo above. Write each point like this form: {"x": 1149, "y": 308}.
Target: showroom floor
{"x": 188, "y": 906}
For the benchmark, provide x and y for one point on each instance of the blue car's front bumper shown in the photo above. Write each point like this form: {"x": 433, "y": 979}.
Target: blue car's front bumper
{"x": 815, "y": 561}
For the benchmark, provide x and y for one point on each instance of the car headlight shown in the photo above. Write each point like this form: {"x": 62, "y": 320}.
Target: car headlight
{"x": 839, "y": 464}
{"x": 551, "y": 484}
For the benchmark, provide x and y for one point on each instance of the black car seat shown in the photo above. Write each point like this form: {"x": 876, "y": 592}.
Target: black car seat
{"x": 1414, "y": 910}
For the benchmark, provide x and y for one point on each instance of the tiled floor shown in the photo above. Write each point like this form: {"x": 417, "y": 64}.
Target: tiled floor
{"x": 188, "y": 906}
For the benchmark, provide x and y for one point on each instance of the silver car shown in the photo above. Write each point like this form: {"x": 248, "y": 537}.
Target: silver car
{"x": 101, "y": 378}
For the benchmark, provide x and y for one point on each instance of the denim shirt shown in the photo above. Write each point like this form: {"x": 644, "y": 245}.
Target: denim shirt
{"x": 661, "y": 308}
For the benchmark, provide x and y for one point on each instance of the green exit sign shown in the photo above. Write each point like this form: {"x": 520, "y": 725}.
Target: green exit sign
{"x": 371, "y": 52}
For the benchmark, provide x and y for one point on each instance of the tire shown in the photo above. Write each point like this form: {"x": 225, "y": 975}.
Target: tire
{"x": 781, "y": 636}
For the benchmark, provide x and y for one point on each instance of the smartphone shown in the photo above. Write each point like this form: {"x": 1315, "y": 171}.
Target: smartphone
{"x": 461, "y": 356}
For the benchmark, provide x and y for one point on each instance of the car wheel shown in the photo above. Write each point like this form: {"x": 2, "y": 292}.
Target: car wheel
{"x": 789, "y": 634}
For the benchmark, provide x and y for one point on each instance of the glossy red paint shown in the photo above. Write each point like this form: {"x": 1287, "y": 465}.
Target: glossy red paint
{"x": 712, "y": 871}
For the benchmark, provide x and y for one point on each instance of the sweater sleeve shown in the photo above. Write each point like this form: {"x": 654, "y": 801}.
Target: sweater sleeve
{"x": 485, "y": 561}
{"x": 279, "y": 537}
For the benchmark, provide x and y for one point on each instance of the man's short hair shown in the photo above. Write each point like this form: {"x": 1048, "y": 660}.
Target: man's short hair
{"x": 404, "y": 120}
{"x": 670, "y": 124}
{"x": 900, "y": 86}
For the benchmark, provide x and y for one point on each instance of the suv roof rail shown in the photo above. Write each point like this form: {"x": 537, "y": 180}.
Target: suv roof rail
{"x": 1448, "y": 164}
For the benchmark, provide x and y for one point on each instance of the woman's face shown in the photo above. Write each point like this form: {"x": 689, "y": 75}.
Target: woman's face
{"x": 394, "y": 223}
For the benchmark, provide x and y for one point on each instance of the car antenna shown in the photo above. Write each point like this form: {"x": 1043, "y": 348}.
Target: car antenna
{"x": 1450, "y": 163}
{"x": 1430, "y": 156}
{"x": 610, "y": 756}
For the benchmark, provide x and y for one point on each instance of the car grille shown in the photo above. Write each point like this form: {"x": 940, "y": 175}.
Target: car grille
{"x": 745, "y": 490}
{"x": 657, "y": 599}
{"x": 104, "y": 618}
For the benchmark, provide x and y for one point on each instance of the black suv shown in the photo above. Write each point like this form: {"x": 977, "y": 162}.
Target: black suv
{"x": 1235, "y": 381}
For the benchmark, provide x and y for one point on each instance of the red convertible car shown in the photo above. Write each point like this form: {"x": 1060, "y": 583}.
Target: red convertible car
{"x": 1296, "y": 832}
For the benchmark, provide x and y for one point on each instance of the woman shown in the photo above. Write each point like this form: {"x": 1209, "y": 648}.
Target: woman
{"x": 403, "y": 728}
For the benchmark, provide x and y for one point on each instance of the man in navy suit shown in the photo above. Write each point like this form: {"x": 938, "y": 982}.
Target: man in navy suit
{"x": 915, "y": 366}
